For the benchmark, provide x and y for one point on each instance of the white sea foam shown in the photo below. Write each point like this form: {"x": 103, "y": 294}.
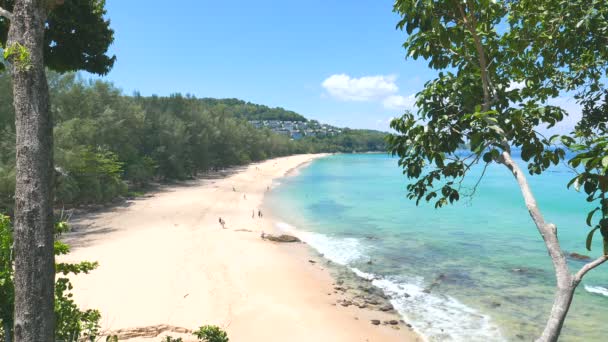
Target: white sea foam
{"x": 438, "y": 317}
{"x": 339, "y": 250}
{"x": 597, "y": 290}
{"x": 364, "y": 275}
{"x": 435, "y": 316}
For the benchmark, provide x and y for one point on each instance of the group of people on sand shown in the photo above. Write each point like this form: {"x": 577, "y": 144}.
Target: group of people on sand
{"x": 260, "y": 215}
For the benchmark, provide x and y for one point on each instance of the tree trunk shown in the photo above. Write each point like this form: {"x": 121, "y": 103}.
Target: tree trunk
{"x": 561, "y": 305}
{"x": 34, "y": 227}
{"x": 566, "y": 283}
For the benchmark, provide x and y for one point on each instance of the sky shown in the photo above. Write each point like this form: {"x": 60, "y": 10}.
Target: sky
{"x": 340, "y": 62}
{"x": 337, "y": 61}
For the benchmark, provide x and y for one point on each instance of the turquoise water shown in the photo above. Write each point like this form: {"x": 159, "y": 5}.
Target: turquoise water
{"x": 495, "y": 279}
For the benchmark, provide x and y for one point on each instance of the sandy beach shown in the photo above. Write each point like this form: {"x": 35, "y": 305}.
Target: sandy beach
{"x": 165, "y": 259}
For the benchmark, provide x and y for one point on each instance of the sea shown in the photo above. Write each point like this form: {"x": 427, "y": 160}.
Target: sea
{"x": 493, "y": 278}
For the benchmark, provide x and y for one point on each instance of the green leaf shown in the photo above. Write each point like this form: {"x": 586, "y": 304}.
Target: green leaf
{"x": 590, "y": 239}
{"x": 590, "y": 215}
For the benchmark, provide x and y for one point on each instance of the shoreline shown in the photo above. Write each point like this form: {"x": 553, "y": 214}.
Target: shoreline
{"x": 164, "y": 259}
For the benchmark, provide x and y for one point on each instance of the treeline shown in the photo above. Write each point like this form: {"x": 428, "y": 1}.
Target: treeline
{"x": 107, "y": 144}
{"x": 250, "y": 111}
{"x": 349, "y": 141}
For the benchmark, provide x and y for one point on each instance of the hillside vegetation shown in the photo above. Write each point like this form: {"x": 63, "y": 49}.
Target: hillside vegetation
{"x": 108, "y": 144}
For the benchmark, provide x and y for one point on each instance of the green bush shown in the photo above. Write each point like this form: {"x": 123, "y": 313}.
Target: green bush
{"x": 172, "y": 339}
{"x": 211, "y": 333}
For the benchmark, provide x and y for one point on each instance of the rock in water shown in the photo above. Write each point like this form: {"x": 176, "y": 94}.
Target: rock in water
{"x": 577, "y": 256}
{"x": 282, "y": 238}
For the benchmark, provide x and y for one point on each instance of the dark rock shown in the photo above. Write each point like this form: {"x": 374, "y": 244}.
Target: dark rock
{"x": 366, "y": 289}
{"x": 372, "y": 301}
{"x": 386, "y": 307}
{"x": 375, "y": 321}
{"x": 282, "y": 238}
{"x": 312, "y": 261}
{"x": 346, "y": 303}
{"x": 393, "y": 322}
{"x": 577, "y": 256}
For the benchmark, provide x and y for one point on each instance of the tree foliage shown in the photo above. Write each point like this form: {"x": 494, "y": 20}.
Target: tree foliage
{"x": 77, "y": 36}
{"x": 108, "y": 144}
{"x": 499, "y": 64}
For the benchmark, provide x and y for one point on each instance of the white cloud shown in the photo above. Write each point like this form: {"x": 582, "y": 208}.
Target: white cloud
{"x": 516, "y": 85}
{"x": 367, "y": 88}
{"x": 398, "y": 102}
{"x": 574, "y": 111}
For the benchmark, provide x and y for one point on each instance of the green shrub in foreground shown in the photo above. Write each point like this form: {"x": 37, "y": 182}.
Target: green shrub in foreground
{"x": 211, "y": 333}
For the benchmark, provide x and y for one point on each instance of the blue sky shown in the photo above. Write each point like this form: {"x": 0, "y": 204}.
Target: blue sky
{"x": 337, "y": 61}
{"x": 277, "y": 53}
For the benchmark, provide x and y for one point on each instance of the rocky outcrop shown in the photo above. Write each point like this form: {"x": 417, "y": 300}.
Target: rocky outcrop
{"x": 281, "y": 238}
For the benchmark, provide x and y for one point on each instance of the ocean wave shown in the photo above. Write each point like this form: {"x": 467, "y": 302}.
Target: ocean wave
{"x": 339, "y": 250}
{"x": 597, "y": 290}
{"x": 434, "y": 316}
{"x": 438, "y": 317}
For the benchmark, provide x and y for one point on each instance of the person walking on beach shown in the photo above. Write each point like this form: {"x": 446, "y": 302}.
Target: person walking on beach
{"x": 260, "y": 213}
{"x": 222, "y": 223}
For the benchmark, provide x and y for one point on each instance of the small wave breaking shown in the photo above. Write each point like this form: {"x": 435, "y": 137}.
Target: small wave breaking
{"x": 340, "y": 251}
{"x": 437, "y": 317}
{"x": 597, "y": 290}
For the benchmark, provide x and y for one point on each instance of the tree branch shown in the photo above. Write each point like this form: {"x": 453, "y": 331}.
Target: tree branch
{"x": 4, "y": 13}
{"x": 547, "y": 230}
{"x": 588, "y": 267}
{"x": 472, "y": 27}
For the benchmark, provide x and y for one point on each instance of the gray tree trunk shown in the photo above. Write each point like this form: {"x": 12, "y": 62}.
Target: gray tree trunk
{"x": 566, "y": 281}
{"x": 33, "y": 231}
{"x": 561, "y": 305}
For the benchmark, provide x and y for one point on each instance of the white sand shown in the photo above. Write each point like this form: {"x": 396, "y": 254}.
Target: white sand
{"x": 165, "y": 259}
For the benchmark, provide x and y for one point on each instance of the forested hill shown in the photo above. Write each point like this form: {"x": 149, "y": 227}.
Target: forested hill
{"x": 250, "y": 111}
{"x": 108, "y": 144}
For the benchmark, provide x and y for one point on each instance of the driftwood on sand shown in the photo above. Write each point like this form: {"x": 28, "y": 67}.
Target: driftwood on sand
{"x": 148, "y": 332}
